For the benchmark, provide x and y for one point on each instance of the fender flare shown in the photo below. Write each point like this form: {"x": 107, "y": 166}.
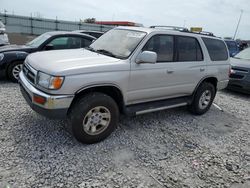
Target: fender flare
{"x": 200, "y": 82}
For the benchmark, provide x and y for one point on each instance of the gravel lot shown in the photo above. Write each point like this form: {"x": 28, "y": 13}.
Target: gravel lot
{"x": 171, "y": 148}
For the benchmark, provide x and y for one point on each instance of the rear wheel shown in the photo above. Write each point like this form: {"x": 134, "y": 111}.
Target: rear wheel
{"x": 13, "y": 71}
{"x": 94, "y": 117}
{"x": 203, "y": 98}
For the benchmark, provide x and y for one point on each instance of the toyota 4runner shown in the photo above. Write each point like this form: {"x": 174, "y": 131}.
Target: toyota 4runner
{"x": 127, "y": 70}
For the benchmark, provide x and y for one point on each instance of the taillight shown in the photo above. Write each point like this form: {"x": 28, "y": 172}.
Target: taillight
{"x": 230, "y": 71}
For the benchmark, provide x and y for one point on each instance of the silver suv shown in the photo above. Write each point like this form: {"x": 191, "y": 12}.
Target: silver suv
{"x": 127, "y": 70}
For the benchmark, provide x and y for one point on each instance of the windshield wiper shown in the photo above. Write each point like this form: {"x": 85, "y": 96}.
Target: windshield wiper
{"x": 236, "y": 58}
{"x": 90, "y": 49}
{"x": 106, "y": 52}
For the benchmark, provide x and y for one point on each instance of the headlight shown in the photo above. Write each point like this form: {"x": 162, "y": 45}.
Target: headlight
{"x": 48, "y": 81}
{"x": 1, "y": 56}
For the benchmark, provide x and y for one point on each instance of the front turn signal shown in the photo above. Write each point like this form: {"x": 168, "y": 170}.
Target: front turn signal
{"x": 56, "y": 82}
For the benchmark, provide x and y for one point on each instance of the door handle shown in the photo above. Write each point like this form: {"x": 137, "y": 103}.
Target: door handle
{"x": 202, "y": 69}
{"x": 170, "y": 71}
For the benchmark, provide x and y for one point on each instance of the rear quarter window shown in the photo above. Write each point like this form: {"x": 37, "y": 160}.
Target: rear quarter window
{"x": 216, "y": 48}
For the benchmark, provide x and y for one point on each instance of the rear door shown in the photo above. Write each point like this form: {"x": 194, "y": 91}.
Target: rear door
{"x": 189, "y": 66}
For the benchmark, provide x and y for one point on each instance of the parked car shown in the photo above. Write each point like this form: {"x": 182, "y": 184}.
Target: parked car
{"x": 232, "y": 47}
{"x": 128, "y": 70}
{"x": 95, "y": 34}
{"x": 4, "y": 40}
{"x": 13, "y": 56}
{"x": 240, "y": 72}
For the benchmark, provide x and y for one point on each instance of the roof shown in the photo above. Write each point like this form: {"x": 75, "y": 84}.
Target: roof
{"x": 143, "y": 29}
{"x": 89, "y": 31}
{"x": 168, "y": 31}
{"x": 230, "y": 40}
{"x": 125, "y": 23}
{"x": 53, "y": 33}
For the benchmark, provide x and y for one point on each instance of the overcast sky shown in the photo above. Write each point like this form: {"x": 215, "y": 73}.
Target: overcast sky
{"x": 217, "y": 16}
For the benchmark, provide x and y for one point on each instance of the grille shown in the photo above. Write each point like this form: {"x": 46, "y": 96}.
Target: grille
{"x": 31, "y": 77}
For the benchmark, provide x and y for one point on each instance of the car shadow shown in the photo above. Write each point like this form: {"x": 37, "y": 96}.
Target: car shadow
{"x": 3, "y": 78}
{"x": 237, "y": 94}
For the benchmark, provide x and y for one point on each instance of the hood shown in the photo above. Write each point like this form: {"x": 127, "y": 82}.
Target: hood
{"x": 240, "y": 63}
{"x": 70, "y": 62}
{"x": 9, "y": 48}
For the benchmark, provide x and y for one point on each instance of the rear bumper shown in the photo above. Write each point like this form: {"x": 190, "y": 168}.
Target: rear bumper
{"x": 222, "y": 84}
{"x": 56, "y": 106}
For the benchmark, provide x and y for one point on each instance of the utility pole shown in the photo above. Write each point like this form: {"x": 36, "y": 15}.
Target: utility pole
{"x": 5, "y": 17}
{"x": 184, "y": 23}
{"x": 31, "y": 24}
{"x": 241, "y": 12}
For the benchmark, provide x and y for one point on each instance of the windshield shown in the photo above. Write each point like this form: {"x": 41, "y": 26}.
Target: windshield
{"x": 232, "y": 45}
{"x": 38, "y": 40}
{"x": 118, "y": 42}
{"x": 245, "y": 54}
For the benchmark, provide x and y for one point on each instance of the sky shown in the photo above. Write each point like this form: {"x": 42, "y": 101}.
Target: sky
{"x": 217, "y": 16}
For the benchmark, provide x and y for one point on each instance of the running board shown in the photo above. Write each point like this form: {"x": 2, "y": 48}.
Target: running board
{"x": 148, "y": 107}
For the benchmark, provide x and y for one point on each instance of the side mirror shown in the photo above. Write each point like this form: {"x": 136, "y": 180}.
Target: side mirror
{"x": 146, "y": 57}
{"x": 49, "y": 47}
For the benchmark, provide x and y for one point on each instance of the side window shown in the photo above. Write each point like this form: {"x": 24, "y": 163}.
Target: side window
{"x": 66, "y": 43}
{"x": 59, "y": 43}
{"x": 163, "y": 45}
{"x": 74, "y": 42}
{"x": 188, "y": 49}
{"x": 216, "y": 48}
{"x": 86, "y": 42}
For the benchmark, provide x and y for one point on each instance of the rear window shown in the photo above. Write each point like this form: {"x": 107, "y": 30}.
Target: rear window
{"x": 216, "y": 48}
{"x": 188, "y": 49}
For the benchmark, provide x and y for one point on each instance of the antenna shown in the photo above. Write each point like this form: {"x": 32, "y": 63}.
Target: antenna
{"x": 241, "y": 12}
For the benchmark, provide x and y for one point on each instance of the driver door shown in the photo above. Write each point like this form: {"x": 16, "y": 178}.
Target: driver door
{"x": 150, "y": 81}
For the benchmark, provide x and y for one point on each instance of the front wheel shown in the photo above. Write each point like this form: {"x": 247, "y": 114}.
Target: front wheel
{"x": 203, "y": 98}
{"x": 13, "y": 71}
{"x": 94, "y": 117}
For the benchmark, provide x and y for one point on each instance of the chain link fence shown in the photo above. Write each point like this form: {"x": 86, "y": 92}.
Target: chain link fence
{"x": 37, "y": 26}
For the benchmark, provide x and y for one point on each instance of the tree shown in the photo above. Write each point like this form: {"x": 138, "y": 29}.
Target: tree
{"x": 90, "y": 20}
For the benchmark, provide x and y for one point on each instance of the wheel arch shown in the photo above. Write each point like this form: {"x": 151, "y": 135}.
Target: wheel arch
{"x": 109, "y": 89}
{"x": 10, "y": 63}
{"x": 210, "y": 79}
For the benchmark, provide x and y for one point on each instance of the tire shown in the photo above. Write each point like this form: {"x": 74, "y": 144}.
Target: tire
{"x": 87, "y": 125}
{"x": 13, "y": 70}
{"x": 203, "y": 99}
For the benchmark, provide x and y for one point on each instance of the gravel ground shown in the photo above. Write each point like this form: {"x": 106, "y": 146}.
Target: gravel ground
{"x": 171, "y": 148}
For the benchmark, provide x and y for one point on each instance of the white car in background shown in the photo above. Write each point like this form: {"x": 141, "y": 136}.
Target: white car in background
{"x": 4, "y": 40}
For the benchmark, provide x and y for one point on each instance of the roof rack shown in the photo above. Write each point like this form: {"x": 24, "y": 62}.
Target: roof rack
{"x": 205, "y": 33}
{"x": 183, "y": 29}
{"x": 176, "y": 28}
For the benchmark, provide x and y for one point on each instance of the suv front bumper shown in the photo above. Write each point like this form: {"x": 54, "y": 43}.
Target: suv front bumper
{"x": 55, "y": 106}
